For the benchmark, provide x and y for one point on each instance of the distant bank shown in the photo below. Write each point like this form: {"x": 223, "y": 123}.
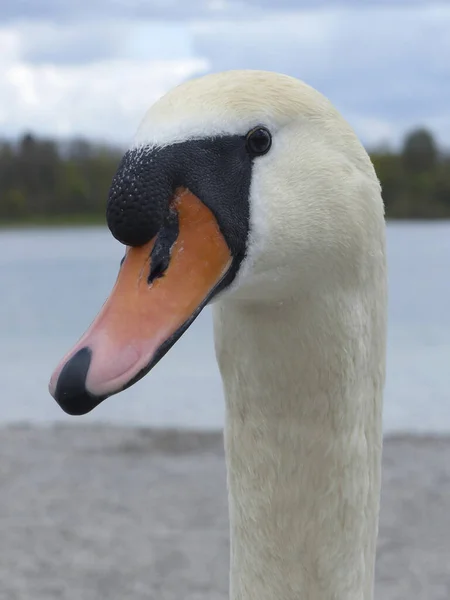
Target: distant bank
{"x": 43, "y": 182}
{"x": 56, "y": 221}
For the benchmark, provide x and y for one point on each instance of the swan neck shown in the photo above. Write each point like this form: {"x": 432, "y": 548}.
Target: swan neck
{"x": 303, "y": 448}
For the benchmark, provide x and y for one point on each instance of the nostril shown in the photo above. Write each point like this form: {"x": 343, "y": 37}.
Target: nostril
{"x": 158, "y": 268}
{"x": 162, "y": 249}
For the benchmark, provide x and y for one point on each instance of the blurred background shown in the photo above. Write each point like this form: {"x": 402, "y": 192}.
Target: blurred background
{"x": 76, "y": 79}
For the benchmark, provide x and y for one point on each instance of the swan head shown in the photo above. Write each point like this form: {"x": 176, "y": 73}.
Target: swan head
{"x": 239, "y": 186}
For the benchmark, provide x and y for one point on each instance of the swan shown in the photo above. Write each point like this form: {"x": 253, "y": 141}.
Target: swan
{"x": 248, "y": 190}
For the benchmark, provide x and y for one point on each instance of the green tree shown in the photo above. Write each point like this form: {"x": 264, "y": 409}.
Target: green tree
{"x": 40, "y": 178}
{"x": 420, "y": 151}
{"x": 13, "y": 205}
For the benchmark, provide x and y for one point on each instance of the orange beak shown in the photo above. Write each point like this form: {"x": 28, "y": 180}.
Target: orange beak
{"x": 143, "y": 317}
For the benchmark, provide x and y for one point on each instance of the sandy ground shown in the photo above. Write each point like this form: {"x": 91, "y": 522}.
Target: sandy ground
{"x": 100, "y": 513}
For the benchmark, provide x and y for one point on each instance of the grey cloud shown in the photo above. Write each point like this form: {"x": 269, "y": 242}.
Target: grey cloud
{"x": 177, "y": 10}
{"x": 68, "y": 44}
{"x": 61, "y": 10}
{"x": 386, "y": 66}
{"x": 68, "y": 32}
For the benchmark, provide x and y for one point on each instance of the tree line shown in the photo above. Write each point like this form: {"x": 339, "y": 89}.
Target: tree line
{"x": 44, "y": 181}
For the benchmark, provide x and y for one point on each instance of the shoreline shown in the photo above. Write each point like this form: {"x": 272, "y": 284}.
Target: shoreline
{"x": 188, "y": 432}
{"x": 100, "y": 221}
{"x": 55, "y": 222}
{"x": 103, "y": 511}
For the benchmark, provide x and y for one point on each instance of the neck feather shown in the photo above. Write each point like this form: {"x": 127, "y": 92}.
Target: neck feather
{"x": 303, "y": 384}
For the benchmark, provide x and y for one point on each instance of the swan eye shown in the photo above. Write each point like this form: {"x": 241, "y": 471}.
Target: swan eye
{"x": 259, "y": 141}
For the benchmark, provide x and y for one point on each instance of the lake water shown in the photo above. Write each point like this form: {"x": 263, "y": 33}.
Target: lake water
{"x": 54, "y": 282}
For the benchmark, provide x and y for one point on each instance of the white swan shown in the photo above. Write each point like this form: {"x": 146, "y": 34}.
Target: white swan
{"x": 250, "y": 187}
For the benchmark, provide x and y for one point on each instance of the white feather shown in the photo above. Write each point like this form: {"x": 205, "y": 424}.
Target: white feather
{"x": 300, "y": 339}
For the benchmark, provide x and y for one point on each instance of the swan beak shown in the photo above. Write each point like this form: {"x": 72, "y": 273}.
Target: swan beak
{"x": 152, "y": 303}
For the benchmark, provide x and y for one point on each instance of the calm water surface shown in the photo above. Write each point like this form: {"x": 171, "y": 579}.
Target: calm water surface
{"x": 54, "y": 282}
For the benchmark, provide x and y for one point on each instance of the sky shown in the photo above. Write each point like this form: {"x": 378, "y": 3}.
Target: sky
{"x": 92, "y": 68}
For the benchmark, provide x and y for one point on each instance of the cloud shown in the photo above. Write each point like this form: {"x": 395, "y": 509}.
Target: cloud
{"x": 384, "y": 66}
{"x": 67, "y": 32}
{"x": 63, "y": 10}
{"x": 42, "y": 42}
{"x": 92, "y": 81}
{"x": 175, "y": 10}
{"x": 386, "y": 69}
{"x": 101, "y": 100}
{"x": 72, "y": 43}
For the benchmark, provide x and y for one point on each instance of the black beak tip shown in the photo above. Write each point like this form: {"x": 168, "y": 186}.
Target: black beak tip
{"x": 70, "y": 392}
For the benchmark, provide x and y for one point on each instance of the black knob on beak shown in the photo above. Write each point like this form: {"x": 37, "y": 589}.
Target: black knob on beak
{"x": 138, "y": 198}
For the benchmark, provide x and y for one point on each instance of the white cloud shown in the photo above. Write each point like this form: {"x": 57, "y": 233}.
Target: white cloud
{"x": 103, "y": 100}
{"x": 95, "y": 81}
